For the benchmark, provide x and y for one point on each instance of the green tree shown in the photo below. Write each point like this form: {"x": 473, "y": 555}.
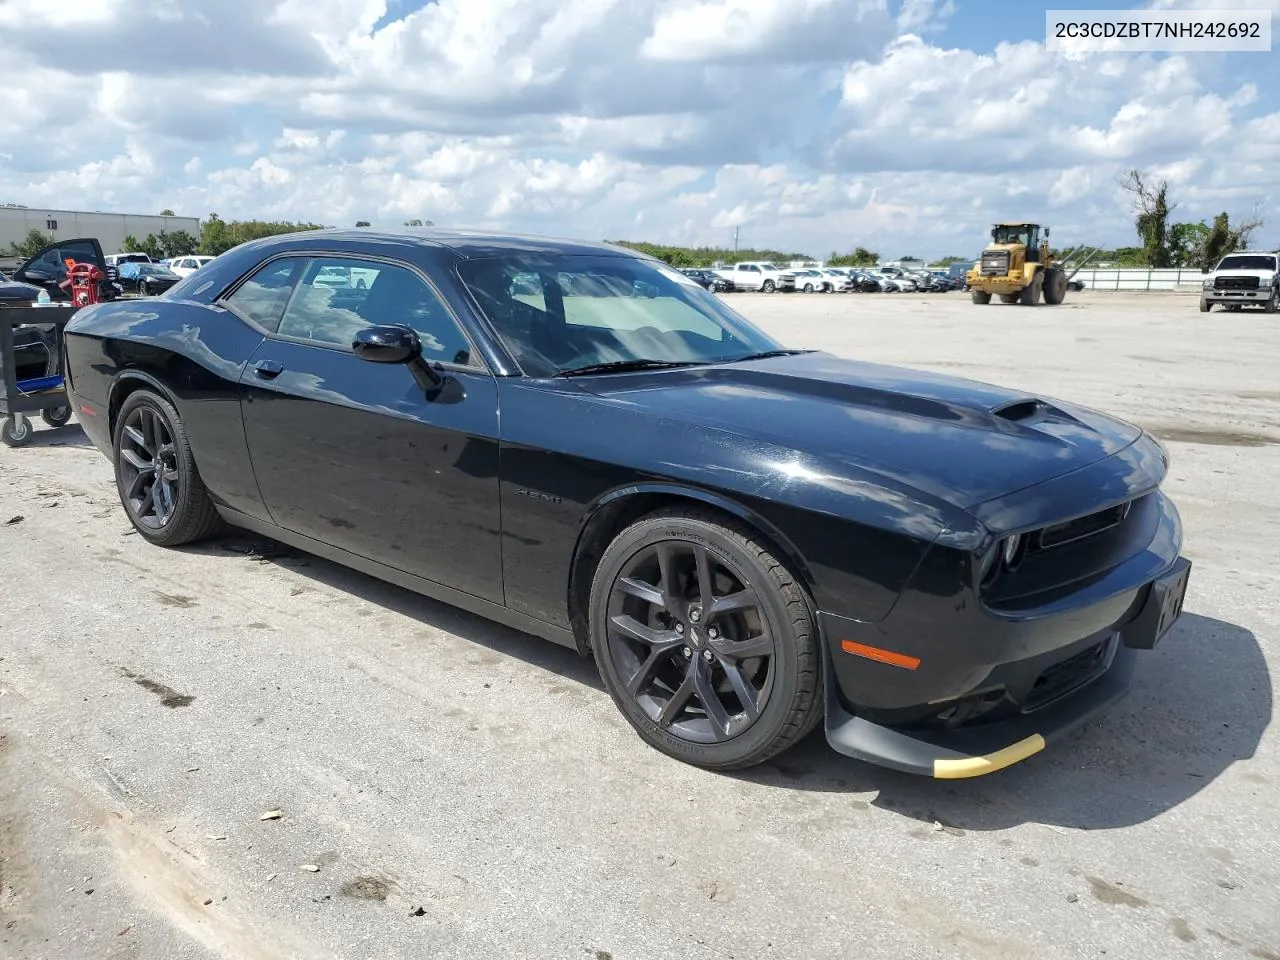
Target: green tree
{"x": 860, "y": 257}
{"x": 705, "y": 256}
{"x": 130, "y": 244}
{"x": 217, "y": 236}
{"x": 362, "y": 223}
{"x": 29, "y": 245}
{"x": 1222, "y": 238}
{"x": 948, "y": 261}
{"x": 166, "y": 212}
{"x": 177, "y": 244}
{"x": 1186, "y": 243}
{"x": 1151, "y": 208}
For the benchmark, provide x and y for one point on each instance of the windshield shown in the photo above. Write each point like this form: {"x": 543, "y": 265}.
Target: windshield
{"x": 153, "y": 270}
{"x": 1256, "y": 262}
{"x": 565, "y": 312}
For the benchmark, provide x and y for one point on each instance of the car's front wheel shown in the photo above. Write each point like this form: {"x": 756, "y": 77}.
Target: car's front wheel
{"x": 156, "y": 475}
{"x": 705, "y": 640}
{"x": 1273, "y": 304}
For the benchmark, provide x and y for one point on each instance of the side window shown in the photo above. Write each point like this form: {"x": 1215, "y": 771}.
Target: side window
{"x": 337, "y": 297}
{"x": 262, "y": 297}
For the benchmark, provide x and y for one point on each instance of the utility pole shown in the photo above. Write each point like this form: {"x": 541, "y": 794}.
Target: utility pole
{"x": 735, "y": 238}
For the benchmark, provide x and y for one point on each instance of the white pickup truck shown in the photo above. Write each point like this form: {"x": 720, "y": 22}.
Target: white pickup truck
{"x": 758, "y": 275}
{"x": 1243, "y": 280}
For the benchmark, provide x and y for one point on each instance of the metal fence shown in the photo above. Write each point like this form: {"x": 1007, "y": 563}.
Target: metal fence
{"x": 1140, "y": 279}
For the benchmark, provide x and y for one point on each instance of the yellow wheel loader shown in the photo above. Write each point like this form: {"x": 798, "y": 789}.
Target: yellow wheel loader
{"x": 1018, "y": 268}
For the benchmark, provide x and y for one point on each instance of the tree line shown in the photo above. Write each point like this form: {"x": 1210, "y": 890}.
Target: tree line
{"x": 1166, "y": 244}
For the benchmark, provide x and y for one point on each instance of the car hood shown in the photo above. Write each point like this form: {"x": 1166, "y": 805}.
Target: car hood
{"x": 959, "y": 440}
{"x": 11, "y": 290}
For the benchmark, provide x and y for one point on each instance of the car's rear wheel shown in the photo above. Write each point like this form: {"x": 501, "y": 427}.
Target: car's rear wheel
{"x": 705, "y": 640}
{"x": 156, "y": 475}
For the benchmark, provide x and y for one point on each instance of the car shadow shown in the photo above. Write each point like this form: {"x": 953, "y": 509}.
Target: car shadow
{"x": 430, "y": 613}
{"x": 1200, "y": 703}
{"x": 68, "y": 435}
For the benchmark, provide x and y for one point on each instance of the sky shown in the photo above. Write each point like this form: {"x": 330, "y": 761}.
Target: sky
{"x": 905, "y": 126}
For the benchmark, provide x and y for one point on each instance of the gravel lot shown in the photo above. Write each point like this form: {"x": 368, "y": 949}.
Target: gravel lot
{"x": 468, "y": 791}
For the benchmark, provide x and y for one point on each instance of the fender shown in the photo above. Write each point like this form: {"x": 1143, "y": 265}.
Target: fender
{"x": 113, "y": 397}
{"x": 602, "y": 504}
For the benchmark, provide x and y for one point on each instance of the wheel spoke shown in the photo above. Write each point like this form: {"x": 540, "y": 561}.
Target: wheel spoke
{"x": 639, "y": 631}
{"x": 682, "y": 695}
{"x": 710, "y": 700}
{"x": 136, "y": 438}
{"x": 759, "y": 646}
{"x": 135, "y": 461}
{"x": 135, "y": 485}
{"x": 148, "y": 502}
{"x": 645, "y": 591}
{"x": 733, "y": 603}
{"x": 644, "y": 673}
{"x": 742, "y": 687}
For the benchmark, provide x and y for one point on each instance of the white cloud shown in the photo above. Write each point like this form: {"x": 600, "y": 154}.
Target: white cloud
{"x": 807, "y": 124}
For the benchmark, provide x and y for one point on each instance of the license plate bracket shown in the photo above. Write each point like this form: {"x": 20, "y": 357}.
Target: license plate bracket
{"x": 1162, "y": 609}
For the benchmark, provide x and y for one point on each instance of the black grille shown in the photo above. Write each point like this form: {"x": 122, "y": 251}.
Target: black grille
{"x": 995, "y": 263}
{"x": 1081, "y": 527}
{"x": 1068, "y": 675}
{"x": 1235, "y": 283}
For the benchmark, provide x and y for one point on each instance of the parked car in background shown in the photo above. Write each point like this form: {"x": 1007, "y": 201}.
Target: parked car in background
{"x": 146, "y": 279}
{"x": 838, "y": 277}
{"x": 708, "y": 279}
{"x": 901, "y": 280}
{"x": 804, "y": 280}
{"x": 1245, "y": 279}
{"x": 758, "y": 276}
{"x": 119, "y": 259}
{"x": 185, "y": 266}
{"x": 751, "y": 541}
{"x": 47, "y": 269}
{"x": 862, "y": 282}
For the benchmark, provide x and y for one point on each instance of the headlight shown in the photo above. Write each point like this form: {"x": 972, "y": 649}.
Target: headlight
{"x": 1207, "y": 285}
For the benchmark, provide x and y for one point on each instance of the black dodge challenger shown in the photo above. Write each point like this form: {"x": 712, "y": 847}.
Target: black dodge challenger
{"x": 576, "y": 440}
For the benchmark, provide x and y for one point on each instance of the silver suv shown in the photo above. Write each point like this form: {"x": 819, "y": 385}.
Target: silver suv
{"x": 1243, "y": 279}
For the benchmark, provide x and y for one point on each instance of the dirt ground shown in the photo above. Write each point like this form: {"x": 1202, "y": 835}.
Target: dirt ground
{"x": 450, "y": 788}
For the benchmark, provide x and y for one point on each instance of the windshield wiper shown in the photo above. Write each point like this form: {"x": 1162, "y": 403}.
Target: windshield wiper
{"x": 767, "y": 354}
{"x": 622, "y": 366}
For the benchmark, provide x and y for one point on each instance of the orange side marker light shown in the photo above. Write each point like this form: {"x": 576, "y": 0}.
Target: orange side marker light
{"x": 883, "y": 656}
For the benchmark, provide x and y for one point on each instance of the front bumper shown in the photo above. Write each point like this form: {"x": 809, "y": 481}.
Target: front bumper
{"x": 950, "y": 675}
{"x": 1258, "y": 297}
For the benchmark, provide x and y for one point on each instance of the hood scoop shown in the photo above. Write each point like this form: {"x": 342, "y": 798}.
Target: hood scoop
{"x": 1019, "y": 411}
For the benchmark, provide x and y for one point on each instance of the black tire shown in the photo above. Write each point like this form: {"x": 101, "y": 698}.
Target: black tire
{"x": 1205, "y": 305}
{"x": 778, "y": 617}
{"x": 56, "y": 416}
{"x": 143, "y": 289}
{"x": 1008, "y": 297}
{"x": 980, "y": 296}
{"x": 768, "y": 287}
{"x": 1273, "y": 304}
{"x": 180, "y": 510}
{"x": 808, "y": 288}
{"x": 1055, "y": 287}
{"x": 1030, "y": 294}
{"x": 16, "y": 431}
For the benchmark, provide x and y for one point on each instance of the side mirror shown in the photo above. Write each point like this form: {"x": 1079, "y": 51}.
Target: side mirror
{"x": 391, "y": 344}
{"x": 1046, "y": 232}
{"x": 32, "y": 276}
{"x": 387, "y": 345}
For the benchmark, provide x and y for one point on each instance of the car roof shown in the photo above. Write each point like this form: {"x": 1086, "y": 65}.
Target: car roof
{"x": 467, "y": 244}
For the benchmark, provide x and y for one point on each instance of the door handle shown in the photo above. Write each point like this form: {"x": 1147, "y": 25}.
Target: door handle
{"x": 268, "y": 369}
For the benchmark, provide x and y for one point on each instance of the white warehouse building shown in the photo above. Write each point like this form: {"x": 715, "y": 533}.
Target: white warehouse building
{"x": 109, "y": 228}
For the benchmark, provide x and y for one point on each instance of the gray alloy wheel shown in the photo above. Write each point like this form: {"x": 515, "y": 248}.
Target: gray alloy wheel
{"x": 156, "y": 476}
{"x": 704, "y": 640}
{"x": 768, "y": 286}
{"x": 808, "y": 288}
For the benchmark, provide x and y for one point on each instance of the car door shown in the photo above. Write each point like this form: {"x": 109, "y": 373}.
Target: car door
{"x": 358, "y": 455}
{"x": 48, "y": 268}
